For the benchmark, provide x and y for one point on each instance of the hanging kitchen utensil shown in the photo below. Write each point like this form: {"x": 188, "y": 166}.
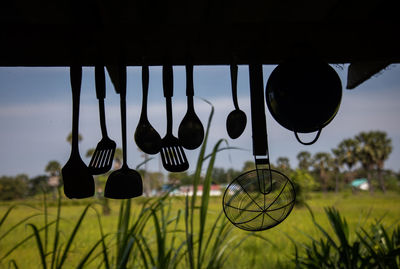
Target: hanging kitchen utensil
{"x": 304, "y": 95}
{"x": 123, "y": 183}
{"x": 237, "y": 120}
{"x": 146, "y": 137}
{"x": 78, "y": 181}
{"x": 191, "y": 131}
{"x": 173, "y": 156}
{"x": 262, "y": 198}
{"x": 103, "y": 156}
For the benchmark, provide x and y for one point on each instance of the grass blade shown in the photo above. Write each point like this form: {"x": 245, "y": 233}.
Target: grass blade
{"x": 71, "y": 237}
{"x": 23, "y": 241}
{"x": 39, "y": 245}
{"x": 6, "y": 214}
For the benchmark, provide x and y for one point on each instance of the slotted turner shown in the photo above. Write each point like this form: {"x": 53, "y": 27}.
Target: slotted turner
{"x": 103, "y": 156}
{"x": 173, "y": 156}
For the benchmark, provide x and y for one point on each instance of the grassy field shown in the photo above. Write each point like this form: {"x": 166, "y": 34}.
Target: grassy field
{"x": 359, "y": 210}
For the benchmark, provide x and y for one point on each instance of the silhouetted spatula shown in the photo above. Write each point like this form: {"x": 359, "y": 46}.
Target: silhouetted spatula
{"x": 78, "y": 181}
{"x": 124, "y": 183}
{"x": 172, "y": 154}
{"x": 103, "y": 156}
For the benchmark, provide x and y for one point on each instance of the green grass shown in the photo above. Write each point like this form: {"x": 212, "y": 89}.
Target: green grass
{"x": 359, "y": 210}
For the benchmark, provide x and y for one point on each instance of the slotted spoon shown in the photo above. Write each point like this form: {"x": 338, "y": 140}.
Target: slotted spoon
{"x": 103, "y": 156}
{"x": 173, "y": 156}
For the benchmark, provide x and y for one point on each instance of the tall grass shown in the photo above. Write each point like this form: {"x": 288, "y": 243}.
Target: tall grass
{"x": 168, "y": 244}
{"x": 373, "y": 248}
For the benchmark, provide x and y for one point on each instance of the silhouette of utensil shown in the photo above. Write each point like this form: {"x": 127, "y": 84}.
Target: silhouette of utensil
{"x": 237, "y": 120}
{"x": 172, "y": 154}
{"x": 191, "y": 131}
{"x": 78, "y": 181}
{"x": 124, "y": 183}
{"x": 103, "y": 156}
{"x": 146, "y": 137}
{"x": 261, "y": 198}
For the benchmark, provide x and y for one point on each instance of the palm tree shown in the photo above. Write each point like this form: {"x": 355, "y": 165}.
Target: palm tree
{"x": 322, "y": 161}
{"x": 348, "y": 151}
{"x": 53, "y": 168}
{"x": 338, "y": 163}
{"x": 118, "y": 156}
{"x": 305, "y": 161}
{"x": 283, "y": 163}
{"x": 366, "y": 154}
{"x": 375, "y": 148}
{"x": 383, "y": 149}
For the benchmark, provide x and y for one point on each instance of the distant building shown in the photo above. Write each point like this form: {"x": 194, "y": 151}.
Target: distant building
{"x": 54, "y": 181}
{"x": 360, "y": 183}
{"x": 215, "y": 190}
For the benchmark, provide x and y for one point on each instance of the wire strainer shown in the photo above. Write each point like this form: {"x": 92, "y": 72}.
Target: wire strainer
{"x": 259, "y": 199}
{"x": 262, "y": 198}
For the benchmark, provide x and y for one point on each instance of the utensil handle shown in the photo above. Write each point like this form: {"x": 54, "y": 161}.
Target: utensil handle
{"x": 168, "y": 92}
{"x": 189, "y": 80}
{"x": 122, "y": 92}
{"x": 234, "y": 70}
{"x": 168, "y": 80}
{"x": 258, "y": 120}
{"x": 76, "y": 80}
{"x": 145, "y": 86}
{"x": 100, "y": 81}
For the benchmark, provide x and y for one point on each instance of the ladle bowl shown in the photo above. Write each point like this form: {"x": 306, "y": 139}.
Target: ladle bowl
{"x": 147, "y": 138}
{"x": 191, "y": 131}
{"x": 236, "y": 123}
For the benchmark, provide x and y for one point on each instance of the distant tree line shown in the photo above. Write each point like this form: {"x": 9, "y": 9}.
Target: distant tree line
{"x": 362, "y": 156}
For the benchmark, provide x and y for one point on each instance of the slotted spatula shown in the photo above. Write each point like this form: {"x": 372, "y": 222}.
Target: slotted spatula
{"x": 173, "y": 156}
{"x": 103, "y": 156}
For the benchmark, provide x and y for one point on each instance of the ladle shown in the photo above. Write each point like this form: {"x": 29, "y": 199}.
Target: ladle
{"x": 78, "y": 181}
{"x": 124, "y": 183}
{"x": 237, "y": 120}
{"x": 146, "y": 137}
{"x": 191, "y": 131}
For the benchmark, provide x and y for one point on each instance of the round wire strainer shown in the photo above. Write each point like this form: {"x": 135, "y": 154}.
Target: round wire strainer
{"x": 259, "y": 199}
{"x": 262, "y": 198}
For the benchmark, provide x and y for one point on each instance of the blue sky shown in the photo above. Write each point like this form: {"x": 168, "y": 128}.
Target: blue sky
{"x": 35, "y": 115}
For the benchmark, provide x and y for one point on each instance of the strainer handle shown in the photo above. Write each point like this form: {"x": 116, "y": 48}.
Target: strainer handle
{"x": 263, "y": 164}
{"x": 308, "y": 143}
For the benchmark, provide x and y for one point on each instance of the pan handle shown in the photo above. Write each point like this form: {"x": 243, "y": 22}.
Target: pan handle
{"x": 308, "y": 143}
